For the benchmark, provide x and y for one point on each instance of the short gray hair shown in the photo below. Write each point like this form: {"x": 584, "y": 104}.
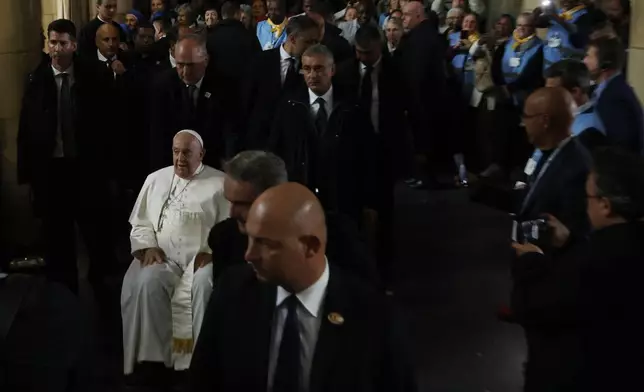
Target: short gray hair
{"x": 261, "y": 169}
{"x": 319, "y": 50}
{"x": 395, "y": 21}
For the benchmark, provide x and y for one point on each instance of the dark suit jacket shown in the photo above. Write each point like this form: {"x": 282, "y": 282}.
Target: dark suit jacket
{"x": 262, "y": 94}
{"x": 393, "y": 153}
{"x": 562, "y": 190}
{"x": 340, "y": 165}
{"x": 231, "y": 48}
{"x": 345, "y": 247}
{"x": 87, "y": 36}
{"x": 39, "y": 122}
{"x": 424, "y": 74}
{"x": 621, "y": 113}
{"x": 337, "y": 44}
{"x": 169, "y": 115}
{"x": 365, "y": 353}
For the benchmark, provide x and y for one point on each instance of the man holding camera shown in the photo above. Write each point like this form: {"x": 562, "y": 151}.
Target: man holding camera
{"x": 579, "y": 305}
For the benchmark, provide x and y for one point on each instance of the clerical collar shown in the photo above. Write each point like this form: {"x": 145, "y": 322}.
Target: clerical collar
{"x": 173, "y": 62}
{"x": 101, "y": 19}
{"x": 312, "y": 297}
{"x": 328, "y": 96}
{"x": 103, "y": 58}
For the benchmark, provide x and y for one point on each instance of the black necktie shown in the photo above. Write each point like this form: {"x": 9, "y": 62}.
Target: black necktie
{"x": 366, "y": 90}
{"x": 190, "y": 98}
{"x": 321, "y": 118}
{"x": 291, "y": 74}
{"x": 287, "y": 372}
{"x": 66, "y": 117}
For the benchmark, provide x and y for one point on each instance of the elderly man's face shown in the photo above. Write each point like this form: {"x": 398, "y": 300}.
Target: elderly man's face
{"x": 182, "y": 18}
{"x": 156, "y": 5}
{"x": 536, "y": 123}
{"x": 318, "y": 71}
{"x": 241, "y": 196}
{"x": 470, "y": 24}
{"x": 393, "y": 33}
{"x": 455, "y": 20}
{"x": 131, "y": 21}
{"x": 212, "y": 18}
{"x": 411, "y": 16}
{"x": 107, "y": 10}
{"x": 187, "y": 154}
{"x": 525, "y": 27}
{"x": 107, "y": 41}
{"x": 192, "y": 61}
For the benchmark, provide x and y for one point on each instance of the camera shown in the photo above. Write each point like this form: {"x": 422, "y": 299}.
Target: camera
{"x": 534, "y": 231}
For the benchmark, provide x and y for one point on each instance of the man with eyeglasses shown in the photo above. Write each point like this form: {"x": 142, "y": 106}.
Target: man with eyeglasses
{"x": 579, "y": 306}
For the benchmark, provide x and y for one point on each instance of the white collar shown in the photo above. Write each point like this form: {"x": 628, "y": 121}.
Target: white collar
{"x": 328, "y": 96}
{"x": 99, "y": 18}
{"x": 363, "y": 66}
{"x": 173, "y": 62}
{"x": 312, "y": 297}
{"x": 103, "y": 58}
{"x": 198, "y": 84}
{"x": 284, "y": 54}
{"x": 68, "y": 71}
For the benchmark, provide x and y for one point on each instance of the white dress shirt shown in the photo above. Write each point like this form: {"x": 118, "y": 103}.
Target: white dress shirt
{"x": 105, "y": 59}
{"x": 309, "y": 311}
{"x": 328, "y": 98}
{"x": 285, "y": 62}
{"x": 375, "y": 92}
{"x": 58, "y": 149}
{"x": 173, "y": 62}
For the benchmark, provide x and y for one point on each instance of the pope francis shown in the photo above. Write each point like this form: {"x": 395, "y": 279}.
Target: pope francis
{"x": 167, "y": 287}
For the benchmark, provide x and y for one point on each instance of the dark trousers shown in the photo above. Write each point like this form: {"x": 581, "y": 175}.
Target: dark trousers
{"x": 69, "y": 194}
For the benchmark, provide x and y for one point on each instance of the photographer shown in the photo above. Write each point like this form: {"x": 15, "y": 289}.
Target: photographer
{"x": 580, "y": 306}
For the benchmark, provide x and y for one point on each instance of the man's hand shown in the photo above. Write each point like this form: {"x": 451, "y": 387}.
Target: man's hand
{"x": 118, "y": 67}
{"x": 153, "y": 256}
{"x": 123, "y": 46}
{"x": 522, "y": 249}
{"x": 560, "y": 233}
{"x": 202, "y": 259}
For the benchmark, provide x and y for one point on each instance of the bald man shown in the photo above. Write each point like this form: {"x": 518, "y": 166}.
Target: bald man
{"x": 290, "y": 321}
{"x": 187, "y": 97}
{"x": 106, "y": 10}
{"x": 555, "y": 183}
{"x": 109, "y": 54}
{"x": 169, "y": 282}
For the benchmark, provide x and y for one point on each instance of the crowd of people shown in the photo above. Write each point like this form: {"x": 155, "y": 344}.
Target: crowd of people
{"x": 255, "y": 149}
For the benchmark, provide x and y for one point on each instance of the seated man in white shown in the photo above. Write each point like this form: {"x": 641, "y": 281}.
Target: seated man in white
{"x": 167, "y": 287}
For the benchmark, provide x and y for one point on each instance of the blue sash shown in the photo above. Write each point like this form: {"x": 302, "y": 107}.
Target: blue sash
{"x": 558, "y": 46}
{"x": 266, "y": 38}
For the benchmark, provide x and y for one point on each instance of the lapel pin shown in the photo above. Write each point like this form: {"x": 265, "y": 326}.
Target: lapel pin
{"x": 336, "y": 318}
{"x": 207, "y": 95}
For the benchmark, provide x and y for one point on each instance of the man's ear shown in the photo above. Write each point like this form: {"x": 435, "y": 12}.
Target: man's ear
{"x": 312, "y": 245}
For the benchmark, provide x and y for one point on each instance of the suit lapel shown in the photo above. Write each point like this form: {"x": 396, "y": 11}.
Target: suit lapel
{"x": 265, "y": 300}
{"x": 552, "y": 170}
{"x": 276, "y": 70}
{"x": 333, "y": 330}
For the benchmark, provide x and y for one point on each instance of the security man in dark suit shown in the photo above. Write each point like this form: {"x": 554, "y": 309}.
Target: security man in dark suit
{"x": 65, "y": 154}
{"x": 110, "y": 60}
{"x": 249, "y": 174}
{"x": 615, "y": 101}
{"x": 106, "y": 10}
{"x": 188, "y": 98}
{"x": 273, "y": 73}
{"x": 290, "y": 321}
{"x": 373, "y": 77}
{"x": 329, "y": 33}
{"x": 327, "y": 141}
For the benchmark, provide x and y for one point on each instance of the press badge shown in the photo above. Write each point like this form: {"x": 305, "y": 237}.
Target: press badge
{"x": 515, "y": 62}
{"x": 530, "y": 166}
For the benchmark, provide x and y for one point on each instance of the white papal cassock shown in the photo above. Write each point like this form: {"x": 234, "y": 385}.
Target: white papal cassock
{"x": 163, "y": 304}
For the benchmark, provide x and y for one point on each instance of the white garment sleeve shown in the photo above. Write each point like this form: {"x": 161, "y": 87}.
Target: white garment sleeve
{"x": 222, "y": 208}
{"x": 437, "y": 6}
{"x": 142, "y": 235}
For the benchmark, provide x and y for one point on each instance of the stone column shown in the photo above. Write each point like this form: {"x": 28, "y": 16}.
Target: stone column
{"x": 636, "y": 49}
{"x": 20, "y": 51}
{"x": 122, "y": 6}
